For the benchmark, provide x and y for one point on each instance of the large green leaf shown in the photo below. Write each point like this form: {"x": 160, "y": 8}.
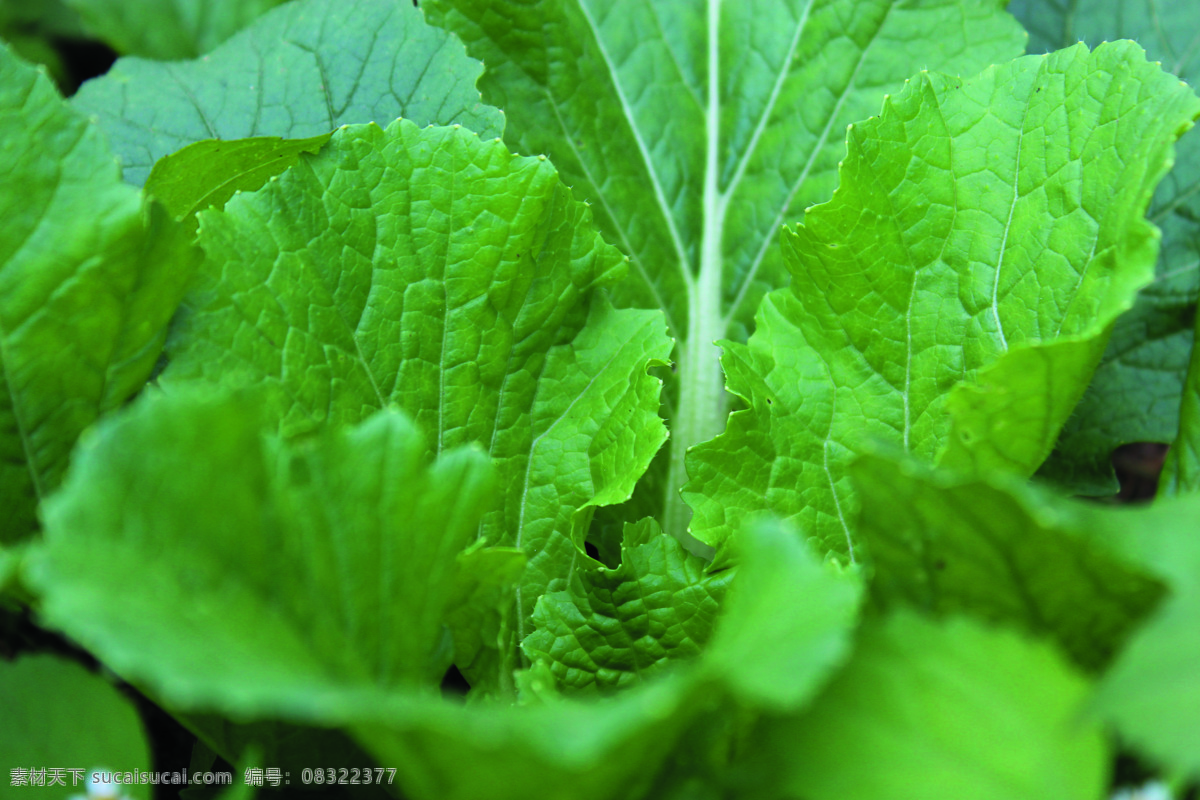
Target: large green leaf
{"x": 955, "y": 295}
{"x": 229, "y": 571}
{"x": 999, "y": 551}
{"x": 1134, "y": 396}
{"x": 300, "y": 71}
{"x": 167, "y": 29}
{"x": 696, "y": 129}
{"x": 89, "y": 277}
{"x": 614, "y": 627}
{"x": 938, "y": 712}
{"x": 458, "y": 284}
{"x": 1151, "y": 692}
{"x": 62, "y": 721}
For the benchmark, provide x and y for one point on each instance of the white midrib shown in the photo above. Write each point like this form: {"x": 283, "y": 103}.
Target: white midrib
{"x": 700, "y": 393}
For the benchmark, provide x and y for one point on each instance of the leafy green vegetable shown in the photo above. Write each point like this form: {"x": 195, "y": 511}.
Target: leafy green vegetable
{"x": 956, "y": 293}
{"x": 57, "y": 715}
{"x": 206, "y": 174}
{"x": 931, "y": 712}
{"x": 301, "y": 71}
{"x": 167, "y": 29}
{"x": 236, "y": 573}
{"x": 612, "y": 627}
{"x": 697, "y": 129}
{"x": 89, "y": 277}
{"x": 1134, "y": 395}
{"x": 999, "y": 551}
{"x": 1151, "y": 693}
{"x": 472, "y": 310}
{"x": 395, "y": 493}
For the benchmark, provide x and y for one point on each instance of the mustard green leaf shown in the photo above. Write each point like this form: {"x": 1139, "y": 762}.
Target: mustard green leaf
{"x": 89, "y": 277}
{"x": 958, "y": 290}
{"x": 59, "y": 716}
{"x": 577, "y": 750}
{"x": 229, "y": 571}
{"x": 1181, "y": 469}
{"x": 614, "y": 627}
{"x": 1000, "y": 551}
{"x": 1134, "y": 396}
{"x": 206, "y": 174}
{"x": 788, "y": 622}
{"x": 936, "y": 712}
{"x": 169, "y": 30}
{"x": 697, "y": 129}
{"x": 475, "y": 310}
{"x": 301, "y": 70}
{"x": 1151, "y": 694}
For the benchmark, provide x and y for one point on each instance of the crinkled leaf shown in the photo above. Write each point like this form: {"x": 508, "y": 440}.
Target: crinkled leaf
{"x": 167, "y": 29}
{"x": 955, "y": 295}
{"x": 615, "y": 627}
{"x": 473, "y": 309}
{"x": 300, "y": 71}
{"x": 1151, "y": 692}
{"x": 696, "y": 129}
{"x": 788, "y": 621}
{"x": 59, "y": 715}
{"x": 480, "y": 619}
{"x": 999, "y": 551}
{"x": 89, "y": 277}
{"x": 229, "y": 571}
{"x": 939, "y": 712}
{"x": 206, "y": 174}
{"x": 1134, "y": 395}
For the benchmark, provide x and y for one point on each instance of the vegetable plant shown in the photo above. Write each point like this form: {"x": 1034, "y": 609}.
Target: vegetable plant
{"x": 611, "y": 398}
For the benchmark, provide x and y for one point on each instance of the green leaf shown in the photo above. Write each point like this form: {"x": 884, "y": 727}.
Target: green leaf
{"x": 89, "y": 277}
{"x": 612, "y": 628}
{"x": 233, "y": 572}
{"x": 696, "y": 129}
{"x": 169, "y": 30}
{"x": 1151, "y": 693}
{"x": 788, "y": 621}
{"x": 939, "y": 712}
{"x": 560, "y": 751}
{"x": 1134, "y": 396}
{"x": 300, "y": 71}
{"x": 1000, "y": 551}
{"x": 206, "y": 174}
{"x": 474, "y": 310}
{"x": 1181, "y": 469}
{"x": 58, "y": 716}
{"x": 955, "y": 295}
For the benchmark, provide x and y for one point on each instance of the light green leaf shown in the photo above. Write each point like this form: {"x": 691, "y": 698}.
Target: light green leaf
{"x": 300, "y": 71}
{"x": 696, "y": 129}
{"x": 474, "y": 310}
{"x": 612, "y": 628}
{"x": 1000, "y": 551}
{"x": 89, "y": 277}
{"x": 232, "y": 572}
{"x": 1134, "y": 396}
{"x": 1151, "y": 693}
{"x": 206, "y": 174}
{"x": 939, "y": 712}
{"x": 956, "y": 293}
{"x": 169, "y": 30}
{"x": 57, "y": 716}
{"x": 788, "y": 621}
{"x": 577, "y": 750}
{"x": 480, "y": 618}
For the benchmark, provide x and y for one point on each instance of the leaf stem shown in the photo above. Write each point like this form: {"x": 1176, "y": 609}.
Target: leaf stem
{"x": 701, "y": 392}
